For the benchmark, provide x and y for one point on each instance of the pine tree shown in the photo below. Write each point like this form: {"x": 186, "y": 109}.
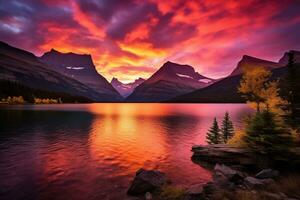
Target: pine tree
{"x": 292, "y": 88}
{"x": 227, "y": 129}
{"x": 264, "y": 134}
{"x": 213, "y": 134}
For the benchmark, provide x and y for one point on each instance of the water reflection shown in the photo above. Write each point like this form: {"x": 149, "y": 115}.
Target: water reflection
{"x": 91, "y": 151}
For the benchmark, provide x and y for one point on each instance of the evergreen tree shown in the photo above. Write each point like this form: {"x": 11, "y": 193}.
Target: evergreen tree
{"x": 264, "y": 134}
{"x": 292, "y": 86}
{"x": 213, "y": 134}
{"x": 227, "y": 129}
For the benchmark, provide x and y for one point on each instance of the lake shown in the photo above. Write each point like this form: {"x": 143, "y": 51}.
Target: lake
{"x": 92, "y": 151}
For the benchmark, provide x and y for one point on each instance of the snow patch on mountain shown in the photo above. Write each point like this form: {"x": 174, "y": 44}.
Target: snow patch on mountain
{"x": 76, "y": 68}
{"x": 184, "y": 76}
{"x": 205, "y": 80}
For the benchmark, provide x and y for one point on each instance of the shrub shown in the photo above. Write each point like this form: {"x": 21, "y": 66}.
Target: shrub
{"x": 238, "y": 139}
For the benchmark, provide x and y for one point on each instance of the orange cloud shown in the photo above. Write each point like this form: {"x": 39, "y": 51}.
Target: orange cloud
{"x": 86, "y": 21}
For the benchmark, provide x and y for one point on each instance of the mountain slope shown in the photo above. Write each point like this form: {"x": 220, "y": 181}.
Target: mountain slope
{"x": 249, "y": 61}
{"x": 223, "y": 91}
{"x": 81, "y": 68}
{"x": 24, "y": 68}
{"x": 169, "y": 81}
{"x": 125, "y": 89}
{"x": 226, "y": 90}
{"x": 284, "y": 60}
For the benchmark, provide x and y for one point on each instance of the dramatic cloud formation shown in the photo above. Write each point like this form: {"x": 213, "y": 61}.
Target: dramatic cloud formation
{"x": 132, "y": 38}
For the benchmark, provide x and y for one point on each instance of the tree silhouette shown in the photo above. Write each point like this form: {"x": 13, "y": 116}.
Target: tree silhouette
{"x": 227, "y": 129}
{"x": 213, "y": 135}
{"x": 291, "y": 85}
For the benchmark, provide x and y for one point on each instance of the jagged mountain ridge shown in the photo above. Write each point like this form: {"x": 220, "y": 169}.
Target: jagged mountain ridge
{"x": 125, "y": 89}
{"x": 251, "y": 62}
{"x": 170, "y": 80}
{"x": 81, "y": 68}
{"x": 284, "y": 60}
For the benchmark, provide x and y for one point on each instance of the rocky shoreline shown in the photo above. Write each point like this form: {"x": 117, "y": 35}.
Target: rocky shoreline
{"x": 230, "y": 174}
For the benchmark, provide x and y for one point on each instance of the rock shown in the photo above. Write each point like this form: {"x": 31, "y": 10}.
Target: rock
{"x": 148, "y": 196}
{"x": 223, "y": 172}
{"x": 267, "y": 173}
{"x": 252, "y": 182}
{"x": 209, "y": 188}
{"x": 194, "y": 192}
{"x": 222, "y": 153}
{"x": 146, "y": 181}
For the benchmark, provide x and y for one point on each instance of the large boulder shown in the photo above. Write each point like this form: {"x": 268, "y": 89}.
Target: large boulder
{"x": 146, "y": 181}
{"x": 254, "y": 183}
{"x": 267, "y": 173}
{"x": 227, "y": 176}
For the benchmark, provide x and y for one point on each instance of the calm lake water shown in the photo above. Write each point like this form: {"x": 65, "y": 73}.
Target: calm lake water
{"x": 92, "y": 151}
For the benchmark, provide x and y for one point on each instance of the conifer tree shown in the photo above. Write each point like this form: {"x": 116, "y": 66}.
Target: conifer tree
{"x": 264, "y": 134}
{"x": 213, "y": 134}
{"x": 227, "y": 129}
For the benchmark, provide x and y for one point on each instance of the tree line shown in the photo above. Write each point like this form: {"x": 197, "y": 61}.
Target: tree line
{"x": 14, "y": 90}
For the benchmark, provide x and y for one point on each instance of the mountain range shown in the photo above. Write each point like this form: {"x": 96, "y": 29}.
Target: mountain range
{"x": 74, "y": 76}
{"x": 27, "y": 70}
{"x": 80, "y": 68}
{"x": 226, "y": 90}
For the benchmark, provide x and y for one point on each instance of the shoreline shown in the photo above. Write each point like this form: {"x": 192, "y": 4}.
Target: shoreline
{"x": 236, "y": 175}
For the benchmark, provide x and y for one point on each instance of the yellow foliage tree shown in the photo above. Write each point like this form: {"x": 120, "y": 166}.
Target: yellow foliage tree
{"x": 253, "y": 82}
{"x": 260, "y": 92}
{"x": 14, "y": 100}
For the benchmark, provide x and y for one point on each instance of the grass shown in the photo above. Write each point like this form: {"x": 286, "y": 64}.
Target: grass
{"x": 288, "y": 185}
{"x": 237, "y": 195}
{"x": 169, "y": 192}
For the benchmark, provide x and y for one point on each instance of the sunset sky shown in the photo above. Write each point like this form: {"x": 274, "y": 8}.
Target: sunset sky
{"x": 133, "y": 38}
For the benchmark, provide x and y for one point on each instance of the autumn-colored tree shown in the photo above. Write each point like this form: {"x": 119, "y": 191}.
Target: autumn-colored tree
{"x": 265, "y": 133}
{"x": 227, "y": 129}
{"x": 213, "y": 136}
{"x": 253, "y": 82}
{"x": 257, "y": 89}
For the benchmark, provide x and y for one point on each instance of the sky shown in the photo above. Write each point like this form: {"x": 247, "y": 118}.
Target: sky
{"x": 133, "y": 38}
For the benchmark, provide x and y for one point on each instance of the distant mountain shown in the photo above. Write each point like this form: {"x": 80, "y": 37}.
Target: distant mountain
{"x": 252, "y": 62}
{"x": 27, "y": 71}
{"x": 169, "y": 81}
{"x": 284, "y": 60}
{"x": 226, "y": 90}
{"x": 81, "y": 68}
{"x": 125, "y": 89}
